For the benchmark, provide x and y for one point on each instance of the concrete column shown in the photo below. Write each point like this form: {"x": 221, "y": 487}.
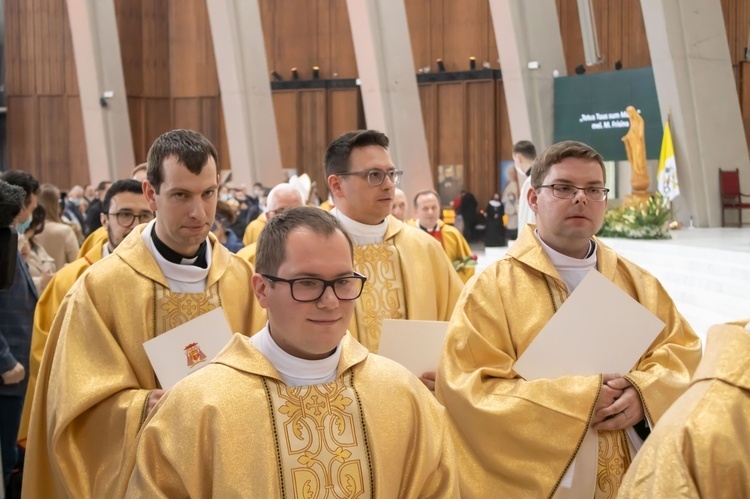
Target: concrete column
{"x": 528, "y": 31}
{"x": 389, "y": 85}
{"x": 687, "y": 40}
{"x": 246, "y": 99}
{"x": 101, "y": 86}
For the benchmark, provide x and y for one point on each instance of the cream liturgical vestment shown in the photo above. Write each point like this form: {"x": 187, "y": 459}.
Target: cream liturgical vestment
{"x": 95, "y": 378}
{"x": 701, "y": 447}
{"x": 408, "y": 277}
{"x": 517, "y": 438}
{"x": 235, "y": 429}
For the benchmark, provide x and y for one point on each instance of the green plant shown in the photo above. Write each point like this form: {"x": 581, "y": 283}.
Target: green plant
{"x": 648, "y": 221}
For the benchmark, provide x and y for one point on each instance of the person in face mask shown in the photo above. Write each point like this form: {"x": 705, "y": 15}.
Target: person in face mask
{"x": 17, "y": 312}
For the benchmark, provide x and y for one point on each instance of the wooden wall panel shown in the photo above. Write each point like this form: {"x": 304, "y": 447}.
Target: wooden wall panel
{"x": 78, "y": 164}
{"x": 157, "y": 114}
{"x": 20, "y": 54}
{"x": 480, "y": 134}
{"x": 138, "y": 128}
{"x": 428, "y": 99}
{"x": 344, "y": 105}
{"x": 193, "y": 66}
{"x": 23, "y": 126}
{"x": 285, "y": 109}
{"x": 418, "y": 17}
{"x": 50, "y": 52}
{"x": 187, "y": 113}
{"x": 53, "y": 151}
{"x": 504, "y": 142}
{"x": 451, "y": 115}
{"x": 301, "y": 50}
{"x": 465, "y": 31}
{"x": 71, "y": 77}
{"x": 223, "y": 146}
{"x": 342, "y": 62}
{"x": 156, "y": 67}
{"x": 313, "y": 110}
{"x": 269, "y": 31}
{"x": 130, "y": 26}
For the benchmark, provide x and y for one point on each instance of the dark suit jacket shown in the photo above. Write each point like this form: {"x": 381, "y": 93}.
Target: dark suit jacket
{"x": 16, "y": 321}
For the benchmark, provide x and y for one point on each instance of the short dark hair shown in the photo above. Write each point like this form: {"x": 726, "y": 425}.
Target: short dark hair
{"x": 424, "y": 193}
{"x": 102, "y": 186}
{"x": 224, "y": 210}
{"x": 271, "y": 249}
{"x": 118, "y": 187}
{"x": 340, "y": 150}
{"x": 25, "y": 180}
{"x": 525, "y": 148}
{"x": 555, "y": 153}
{"x": 191, "y": 148}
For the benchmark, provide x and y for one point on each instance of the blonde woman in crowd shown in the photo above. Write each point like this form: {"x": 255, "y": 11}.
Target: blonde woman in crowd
{"x": 58, "y": 238}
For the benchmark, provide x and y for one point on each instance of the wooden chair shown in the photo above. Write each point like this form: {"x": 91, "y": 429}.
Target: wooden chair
{"x": 731, "y": 197}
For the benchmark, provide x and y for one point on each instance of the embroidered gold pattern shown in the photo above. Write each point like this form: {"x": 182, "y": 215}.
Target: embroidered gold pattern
{"x": 321, "y": 441}
{"x": 614, "y": 459}
{"x": 175, "y": 309}
{"x": 383, "y": 294}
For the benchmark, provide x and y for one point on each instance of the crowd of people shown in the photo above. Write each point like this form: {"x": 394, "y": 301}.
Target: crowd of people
{"x": 299, "y": 403}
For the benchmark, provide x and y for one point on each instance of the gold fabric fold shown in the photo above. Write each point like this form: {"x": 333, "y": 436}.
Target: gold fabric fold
{"x": 455, "y": 246}
{"x": 516, "y": 438}
{"x": 375, "y": 432}
{"x": 700, "y": 448}
{"x": 95, "y": 376}
{"x": 427, "y": 289}
{"x": 46, "y": 308}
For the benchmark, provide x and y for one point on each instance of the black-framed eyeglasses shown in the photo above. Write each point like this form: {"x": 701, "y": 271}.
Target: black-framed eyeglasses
{"x": 567, "y": 191}
{"x": 306, "y": 289}
{"x": 376, "y": 177}
{"x": 125, "y": 218}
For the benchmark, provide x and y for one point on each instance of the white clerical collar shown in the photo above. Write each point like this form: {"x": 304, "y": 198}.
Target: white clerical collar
{"x": 571, "y": 270}
{"x": 105, "y": 250}
{"x": 362, "y": 232}
{"x": 184, "y": 277}
{"x": 296, "y": 371}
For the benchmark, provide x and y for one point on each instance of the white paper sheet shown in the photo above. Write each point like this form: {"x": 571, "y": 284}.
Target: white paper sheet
{"x": 416, "y": 345}
{"x": 189, "y": 347}
{"x": 599, "y": 329}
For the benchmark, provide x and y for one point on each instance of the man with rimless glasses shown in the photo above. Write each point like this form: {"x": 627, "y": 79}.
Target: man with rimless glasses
{"x": 542, "y": 423}
{"x": 301, "y": 408}
{"x": 409, "y": 274}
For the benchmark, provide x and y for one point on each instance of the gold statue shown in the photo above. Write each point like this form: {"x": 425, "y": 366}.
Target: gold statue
{"x": 635, "y": 147}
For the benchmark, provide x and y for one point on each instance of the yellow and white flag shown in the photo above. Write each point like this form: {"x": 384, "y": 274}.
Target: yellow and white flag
{"x": 666, "y": 175}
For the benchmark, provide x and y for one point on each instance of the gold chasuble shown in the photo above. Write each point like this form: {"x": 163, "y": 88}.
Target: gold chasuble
{"x": 253, "y": 230}
{"x": 234, "y": 429}
{"x": 95, "y": 378}
{"x": 408, "y": 277}
{"x": 248, "y": 252}
{"x": 45, "y": 311}
{"x": 701, "y": 447}
{"x": 96, "y": 238}
{"x": 517, "y": 438}
{"x": 455, "y": 246}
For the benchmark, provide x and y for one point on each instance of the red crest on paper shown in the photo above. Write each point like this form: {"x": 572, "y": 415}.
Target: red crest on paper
{"x": 194, "y": 355}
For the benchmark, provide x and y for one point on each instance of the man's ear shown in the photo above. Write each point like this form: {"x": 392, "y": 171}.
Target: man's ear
{"x": 150, "y": 194}
{"x": 532, "y": 198}
{"x": 334, "y": 185}
{"x": 260, "y": 286}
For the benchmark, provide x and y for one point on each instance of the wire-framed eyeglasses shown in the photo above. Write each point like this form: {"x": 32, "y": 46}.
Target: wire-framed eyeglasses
{"x": 126, "y": 218}
{"x": 307, "y": 289}
{"x": 567, "y": 191}
{"x": 376, "y": 177}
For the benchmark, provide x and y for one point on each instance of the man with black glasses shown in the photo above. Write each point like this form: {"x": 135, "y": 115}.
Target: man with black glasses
{"x": 124, "y": 208}
{"x": 518, "y": 438}
{"x": 410, "y": 276}
{"x": 97, "y": 388}
{"x": 301, "y": 408}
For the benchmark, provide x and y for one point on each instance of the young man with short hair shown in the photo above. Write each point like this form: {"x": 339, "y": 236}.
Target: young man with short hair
{"x": 301, "y": 408}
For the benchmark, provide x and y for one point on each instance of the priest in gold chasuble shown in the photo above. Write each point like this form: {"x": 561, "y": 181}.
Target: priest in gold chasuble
{"x": 96, "y": 385}
{"x": 572, "y": 436}
{"x": 701, "y": 447}
{"x": 409, "y": 275}
{"x": 301, "y": 409}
